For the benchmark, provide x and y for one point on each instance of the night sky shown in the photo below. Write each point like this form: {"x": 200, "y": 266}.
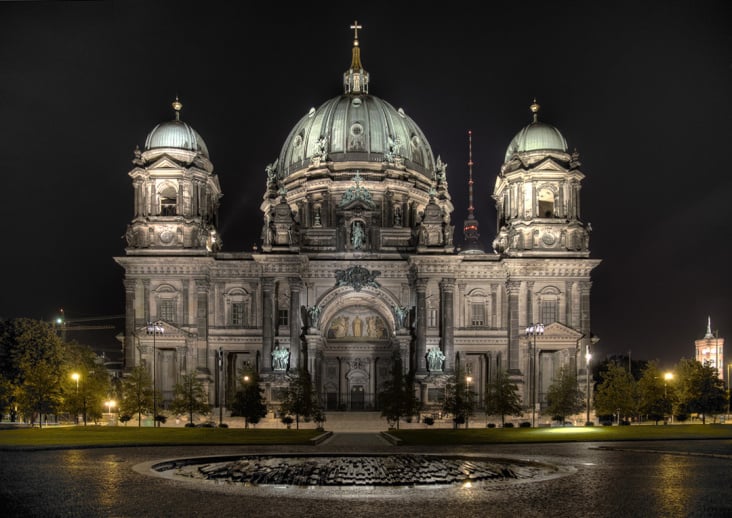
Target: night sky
{"x": 641, "y": 90}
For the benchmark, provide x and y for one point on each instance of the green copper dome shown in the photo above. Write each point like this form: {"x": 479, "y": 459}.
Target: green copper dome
{"x": 176, "y": 134}
{"x": 537, "y": 136}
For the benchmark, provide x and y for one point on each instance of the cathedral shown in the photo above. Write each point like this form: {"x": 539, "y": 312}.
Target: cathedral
{"x": 357, "y": 262}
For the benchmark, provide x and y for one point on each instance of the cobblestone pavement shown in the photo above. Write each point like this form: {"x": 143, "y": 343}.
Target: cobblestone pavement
{"x": 666, "y": 479}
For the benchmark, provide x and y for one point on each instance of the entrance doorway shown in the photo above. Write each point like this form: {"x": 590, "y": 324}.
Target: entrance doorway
{"x": 357, "y": 397}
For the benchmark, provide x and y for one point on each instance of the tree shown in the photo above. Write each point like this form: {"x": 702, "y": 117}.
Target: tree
{"x": 653, "y": 395}
{"x": 41, "y": 391}
{"x": 502, "y": 397}
{"x": 190, "y": 397}
{"x": 300, "y": 398}
{"x": 137, "y": 393}
{"x": 397, "y": 399}
{"x": 617, "y": 392}
{"x": 249, "y": 400}
{"x": 564, "y": 396}
{"x": 27, "y": 344}
{"x": 459, "y": 400}
{"x": 699, "y": 388}
{"x": 86, "y": 394}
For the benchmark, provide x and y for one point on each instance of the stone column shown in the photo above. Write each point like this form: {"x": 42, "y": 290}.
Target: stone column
{"x": 202, "y": 287}
{"x": 421, "y": 331}
{"x": 447, "y": 296}
{"x": 267, "y": 323}
{"x": 130, "y": 325}
{"x": 295, "y": 325}
{"x": 584, "y": 320}
{"x": 146, "y": 302}
{"x": 513, "y": 288}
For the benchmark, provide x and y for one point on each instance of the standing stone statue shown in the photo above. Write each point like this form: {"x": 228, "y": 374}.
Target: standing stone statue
{"x": 280, "y": 358}
{"x": 435, "y": 357}
{"x": 400, "y": 315}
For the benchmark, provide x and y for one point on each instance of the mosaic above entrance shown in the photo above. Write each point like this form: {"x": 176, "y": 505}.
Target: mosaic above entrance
{"x": 357, "y": 323}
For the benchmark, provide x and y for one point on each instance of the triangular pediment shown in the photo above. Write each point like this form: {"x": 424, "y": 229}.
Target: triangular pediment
{"x": 160, "y": 330}
{"x": 164, "y": 162}
{"x": 559, "y": 331}
{"x": 549, "y": 164}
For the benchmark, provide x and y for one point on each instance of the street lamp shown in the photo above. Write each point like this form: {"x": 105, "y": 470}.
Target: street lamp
{"x": 588, "y": 357}
{"x": 75, "y": 376}
{"x": 666, "y": 378}
{"x": 155, "y": 328}
{"x": 469, "y": 380}
{"x": 533, "y": 330}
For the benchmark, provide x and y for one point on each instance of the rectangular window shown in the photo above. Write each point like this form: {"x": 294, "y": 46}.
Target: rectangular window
{"x": 549, "y": 311}
{"x": 283, "y": 317}
{"x": 166, "y": 310}
{"x": 237, "y": 314}
{"x": 477, "y": 314}
{"x": 432, "y": 318}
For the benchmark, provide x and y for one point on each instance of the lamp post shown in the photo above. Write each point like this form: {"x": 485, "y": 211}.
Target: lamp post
{"x": 220, "y": 385}
{"x": 155, "y": 328}
{"x": 110, "y": 405}
{"x": 666, "y": 378}
{"x": 533, "y": 330}
{"x": 469, "y": 380}
{"x": 75, "y": 376}
{"x": 729, "y": 394}
{"x": 588, "y": 357}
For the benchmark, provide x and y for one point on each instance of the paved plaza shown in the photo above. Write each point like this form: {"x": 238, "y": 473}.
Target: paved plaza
{"x": 633, "y": 479}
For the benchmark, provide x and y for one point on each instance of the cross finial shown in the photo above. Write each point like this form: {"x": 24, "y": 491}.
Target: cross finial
{"x": 355, "y": 28}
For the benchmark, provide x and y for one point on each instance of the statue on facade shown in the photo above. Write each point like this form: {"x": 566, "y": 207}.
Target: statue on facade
{"x": 313, "y": 313}
{"x": 435, "y": 357}
{"x": 280, "y": 358}
{"x": 400, "y": 315}
{"x": 357, "y": 236}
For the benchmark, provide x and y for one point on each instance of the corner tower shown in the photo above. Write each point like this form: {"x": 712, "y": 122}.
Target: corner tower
{"x": 537, "y": 196}
{"x": 177, "y": 194}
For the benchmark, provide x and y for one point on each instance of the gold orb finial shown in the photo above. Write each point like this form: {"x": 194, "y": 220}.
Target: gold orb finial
{"x": 177, "y": 106}
{"x": 535, "y": 109}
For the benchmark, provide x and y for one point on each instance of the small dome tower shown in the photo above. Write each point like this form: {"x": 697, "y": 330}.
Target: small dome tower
{"x": 537, "y": 196}
{"x": 176, "y": 193}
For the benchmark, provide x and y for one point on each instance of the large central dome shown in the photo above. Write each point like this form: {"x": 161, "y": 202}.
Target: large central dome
{"x": 356, "y": 126}
{"x": 356, "y": 175}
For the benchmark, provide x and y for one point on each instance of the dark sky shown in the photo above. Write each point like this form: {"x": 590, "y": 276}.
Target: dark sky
{"x": 640, "y": 89}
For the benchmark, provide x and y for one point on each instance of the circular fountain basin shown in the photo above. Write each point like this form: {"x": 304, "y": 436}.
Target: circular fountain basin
{"x": 352, "y": 473}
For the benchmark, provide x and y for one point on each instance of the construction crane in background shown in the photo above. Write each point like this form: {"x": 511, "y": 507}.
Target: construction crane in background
{"x": 63, "y": 325}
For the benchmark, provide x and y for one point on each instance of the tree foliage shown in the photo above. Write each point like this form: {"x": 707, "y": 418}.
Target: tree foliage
{"x": 617, "y": 392}
{"x": 397, "y": 399}
{"x": 502, "y": 397}
{"x": 137, "y": 393}
{"x": 190, "y": 397}
{"x": 249, "y": 400}
{"x": 564, "y": 397}
{"x": 459, "y": 400}
{"x": 654, "y": 394}
{"x": 699, "y": 389}
{"x": 301, "y": 400}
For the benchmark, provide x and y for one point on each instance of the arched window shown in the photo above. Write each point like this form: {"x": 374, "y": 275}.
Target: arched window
{"x": 168, "y": 201}
{"x": 546, "y": 203}
{"x": 478, "y": 308}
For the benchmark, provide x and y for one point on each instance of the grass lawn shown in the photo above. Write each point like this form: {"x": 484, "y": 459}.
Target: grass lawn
{"x": 568, "y": 434}
{"x": 100, "y": 436}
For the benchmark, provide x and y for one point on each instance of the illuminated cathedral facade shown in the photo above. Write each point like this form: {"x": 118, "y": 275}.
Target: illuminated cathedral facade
{"x": 357, "y": 263}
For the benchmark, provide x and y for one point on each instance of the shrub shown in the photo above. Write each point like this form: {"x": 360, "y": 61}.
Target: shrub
{"x": 124, "y": 418}
{"x": 525, "y": 424}
{"x": 428, "y": 421}
{"x": 190, "y": 425}
{"x": 589, "y": 423}
{"x": 288, "y": 420}
{"x": 491, "y": 425}
{"x": 223, "y": 425}
{"x": 508, "y": 425}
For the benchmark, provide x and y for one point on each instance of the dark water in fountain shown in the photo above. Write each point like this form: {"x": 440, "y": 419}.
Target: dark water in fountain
{"x": 354, "y": 470}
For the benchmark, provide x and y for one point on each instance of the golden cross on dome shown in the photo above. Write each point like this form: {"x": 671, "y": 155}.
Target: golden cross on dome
{"x": 355, "y": 28}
